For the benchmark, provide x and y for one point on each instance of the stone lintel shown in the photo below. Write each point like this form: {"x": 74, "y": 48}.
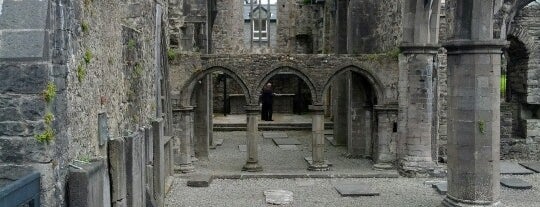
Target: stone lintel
{"x": 475, "y": 47}
{"x": 185, "y": 109}
{"x": 386, "y": 107}
{"x": 412, "y": 48}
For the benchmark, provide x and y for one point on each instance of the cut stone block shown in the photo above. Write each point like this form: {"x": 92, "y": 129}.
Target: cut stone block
{"x": 309, "y": 160}
{"x": 357, "y": 189}
{"x": 200, "y": 181}
{"x": 441, "y": 187}
{"x": 333, "y": 142}
{"x": 514, "y": 169}
{"x": 278, "y": 197}
{"x": 288, "y": 147}
{"x": 271, "y": 135}
{"x": 286, "y": 141}
{"x": 534, "y": 166}
{"x": 218, "y": 142}
{"x": 515, "y": 183}
{"x": 242, "y": 148}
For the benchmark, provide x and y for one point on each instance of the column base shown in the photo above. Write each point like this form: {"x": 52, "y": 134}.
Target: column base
{"x": 383, "y": 166}
{"x": 318, "y": 167}
{"x": 416, "y": 166}
{"x": 252, "y": 167}
{"x": 186, "y": 168}
{"x": 452, "y": 202}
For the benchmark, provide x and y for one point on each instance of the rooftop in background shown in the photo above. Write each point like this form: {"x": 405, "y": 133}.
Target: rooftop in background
{"x": 273, "y": 10}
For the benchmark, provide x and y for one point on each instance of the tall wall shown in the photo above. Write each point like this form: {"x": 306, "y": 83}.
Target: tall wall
{"x": 97, "y": 57}
{"x": 228, "y": 28}
{"x": 378, "y": 32}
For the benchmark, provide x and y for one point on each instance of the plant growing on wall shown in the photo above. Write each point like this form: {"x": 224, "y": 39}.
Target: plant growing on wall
{"x": 81, "y": 72}
{"x": 48, "y": 95}
{"x": 87, "y": 56}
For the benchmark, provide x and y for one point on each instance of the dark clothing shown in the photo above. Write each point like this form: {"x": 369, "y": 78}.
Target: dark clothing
{"x": 267, "y": 99}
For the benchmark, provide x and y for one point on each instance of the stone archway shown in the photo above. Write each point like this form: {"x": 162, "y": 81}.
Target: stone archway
{"x": 353, "y": 110}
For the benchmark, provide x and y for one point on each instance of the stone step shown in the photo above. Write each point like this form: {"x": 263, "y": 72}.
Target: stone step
{"x": 200, "y": 180}
{"x": 267, "y": 127}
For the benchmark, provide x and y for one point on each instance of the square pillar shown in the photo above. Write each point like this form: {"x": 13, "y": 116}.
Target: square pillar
{"x": 252, "y": 163}
{"x": 317, "y": 144}
{"x": 416, "y": 104}
{"x": 202, "y": 116}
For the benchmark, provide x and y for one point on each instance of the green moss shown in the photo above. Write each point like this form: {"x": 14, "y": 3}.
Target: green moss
{"x": 49, "y": 117}
{"x": 47, "y": 136}
{"x": 131, "y": 44}
{"x": 394, "y": 53}
{"x": 307, "y": 1}
{"x": 87, "y": 56}
{"x": 138, "y": 70}
{"x": 171, "y": 54}
{"x": 482, "y": 127}
{"x": 85, "y": 27}
{"x": 81, "y": 72}
{"x": 50, "y": 92}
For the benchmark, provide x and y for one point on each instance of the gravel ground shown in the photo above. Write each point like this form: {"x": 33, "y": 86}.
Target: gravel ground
{"x": 228, "y": 159}
{"x": 321, "y": 192}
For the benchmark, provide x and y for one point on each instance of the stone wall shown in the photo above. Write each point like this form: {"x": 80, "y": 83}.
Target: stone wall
{"x": 380, "y": 31}
{"x": 301, "y": 27}
{"x": 228, "y": 28}
{"x": 187, "y": 24}
{"x": 96, "y": 57}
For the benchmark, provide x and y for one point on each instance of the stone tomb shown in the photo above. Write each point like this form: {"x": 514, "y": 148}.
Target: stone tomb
{"x": 534, "y": 166}
{"x": 272, "y": 135}
{"x": 286, "y": 141}
{"x": 356, "y": 189}
{"x": 513, "y": 169}
{"x": 288, "y": 147}
{"x": 515, "y": 183}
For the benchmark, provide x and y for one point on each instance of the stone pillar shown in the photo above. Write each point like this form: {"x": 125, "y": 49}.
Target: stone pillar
{"x": 385, "y": 155}
{"x": 252, "y": 163}
{"x": 416, "y": 107}
{"x": 317, "y": 144}
{"x": 185, "y": 140}
{"x": 474, "y": 68}
{"x": 202, "y": 119}
{"x": 341, "y": 26}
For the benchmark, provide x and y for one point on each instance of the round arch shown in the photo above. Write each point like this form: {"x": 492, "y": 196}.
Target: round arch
{"x": 188, "y": 88}
{"x": 373, "y": 82}
{"x": 291, "y": 70}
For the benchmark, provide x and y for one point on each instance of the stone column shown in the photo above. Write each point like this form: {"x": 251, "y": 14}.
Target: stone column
{"x": 317, "y": 143}
{"x": 416, "y": 107}
{"x": 185, "y": 140}
{"x": 342, "y": 108}
{"x": 474, "y": 69}
{"x": 385, "y": 155}
{"x": 252, "y": 163}
{"x": 202, "y": 119}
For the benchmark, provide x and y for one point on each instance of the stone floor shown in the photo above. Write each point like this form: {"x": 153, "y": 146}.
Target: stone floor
{"x": 226, "y": 161}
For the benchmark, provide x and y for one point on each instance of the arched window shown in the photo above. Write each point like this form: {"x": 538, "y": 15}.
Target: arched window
{"x": 260, "y": 24}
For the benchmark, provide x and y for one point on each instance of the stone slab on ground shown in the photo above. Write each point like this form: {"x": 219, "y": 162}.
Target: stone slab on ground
{"x": 286, "y": 141}
{"x": 278, "y": 197}
{"x": 534, "y": 166}
{"x": 309, "y": 160}
{"x": 356, "y": 189}
{"x": 333, "y": 141}
{"x": 271, "y": 135}
{"x": 515, "y": 183}
{"x": 513, "y": 168}
{"x": 441, "y": 187}
{"x": 200, "y": 180}
{"x": 242, "y": 148}
{"x": 218, "y": 142}
{"x": 288, "y": 147}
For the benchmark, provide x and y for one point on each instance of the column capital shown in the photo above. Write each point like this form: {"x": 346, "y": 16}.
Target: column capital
{"x": 252, "y": 109}
{"x": 316, "y": 108}
{"x": 461, "y": 46}
{"x": 415, "y": 48}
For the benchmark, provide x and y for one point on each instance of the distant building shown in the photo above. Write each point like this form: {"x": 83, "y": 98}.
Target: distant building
{"x": 264, "y": 29}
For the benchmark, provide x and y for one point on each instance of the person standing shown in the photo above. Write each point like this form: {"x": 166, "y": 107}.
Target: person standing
{"x": 267, "y": 99}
